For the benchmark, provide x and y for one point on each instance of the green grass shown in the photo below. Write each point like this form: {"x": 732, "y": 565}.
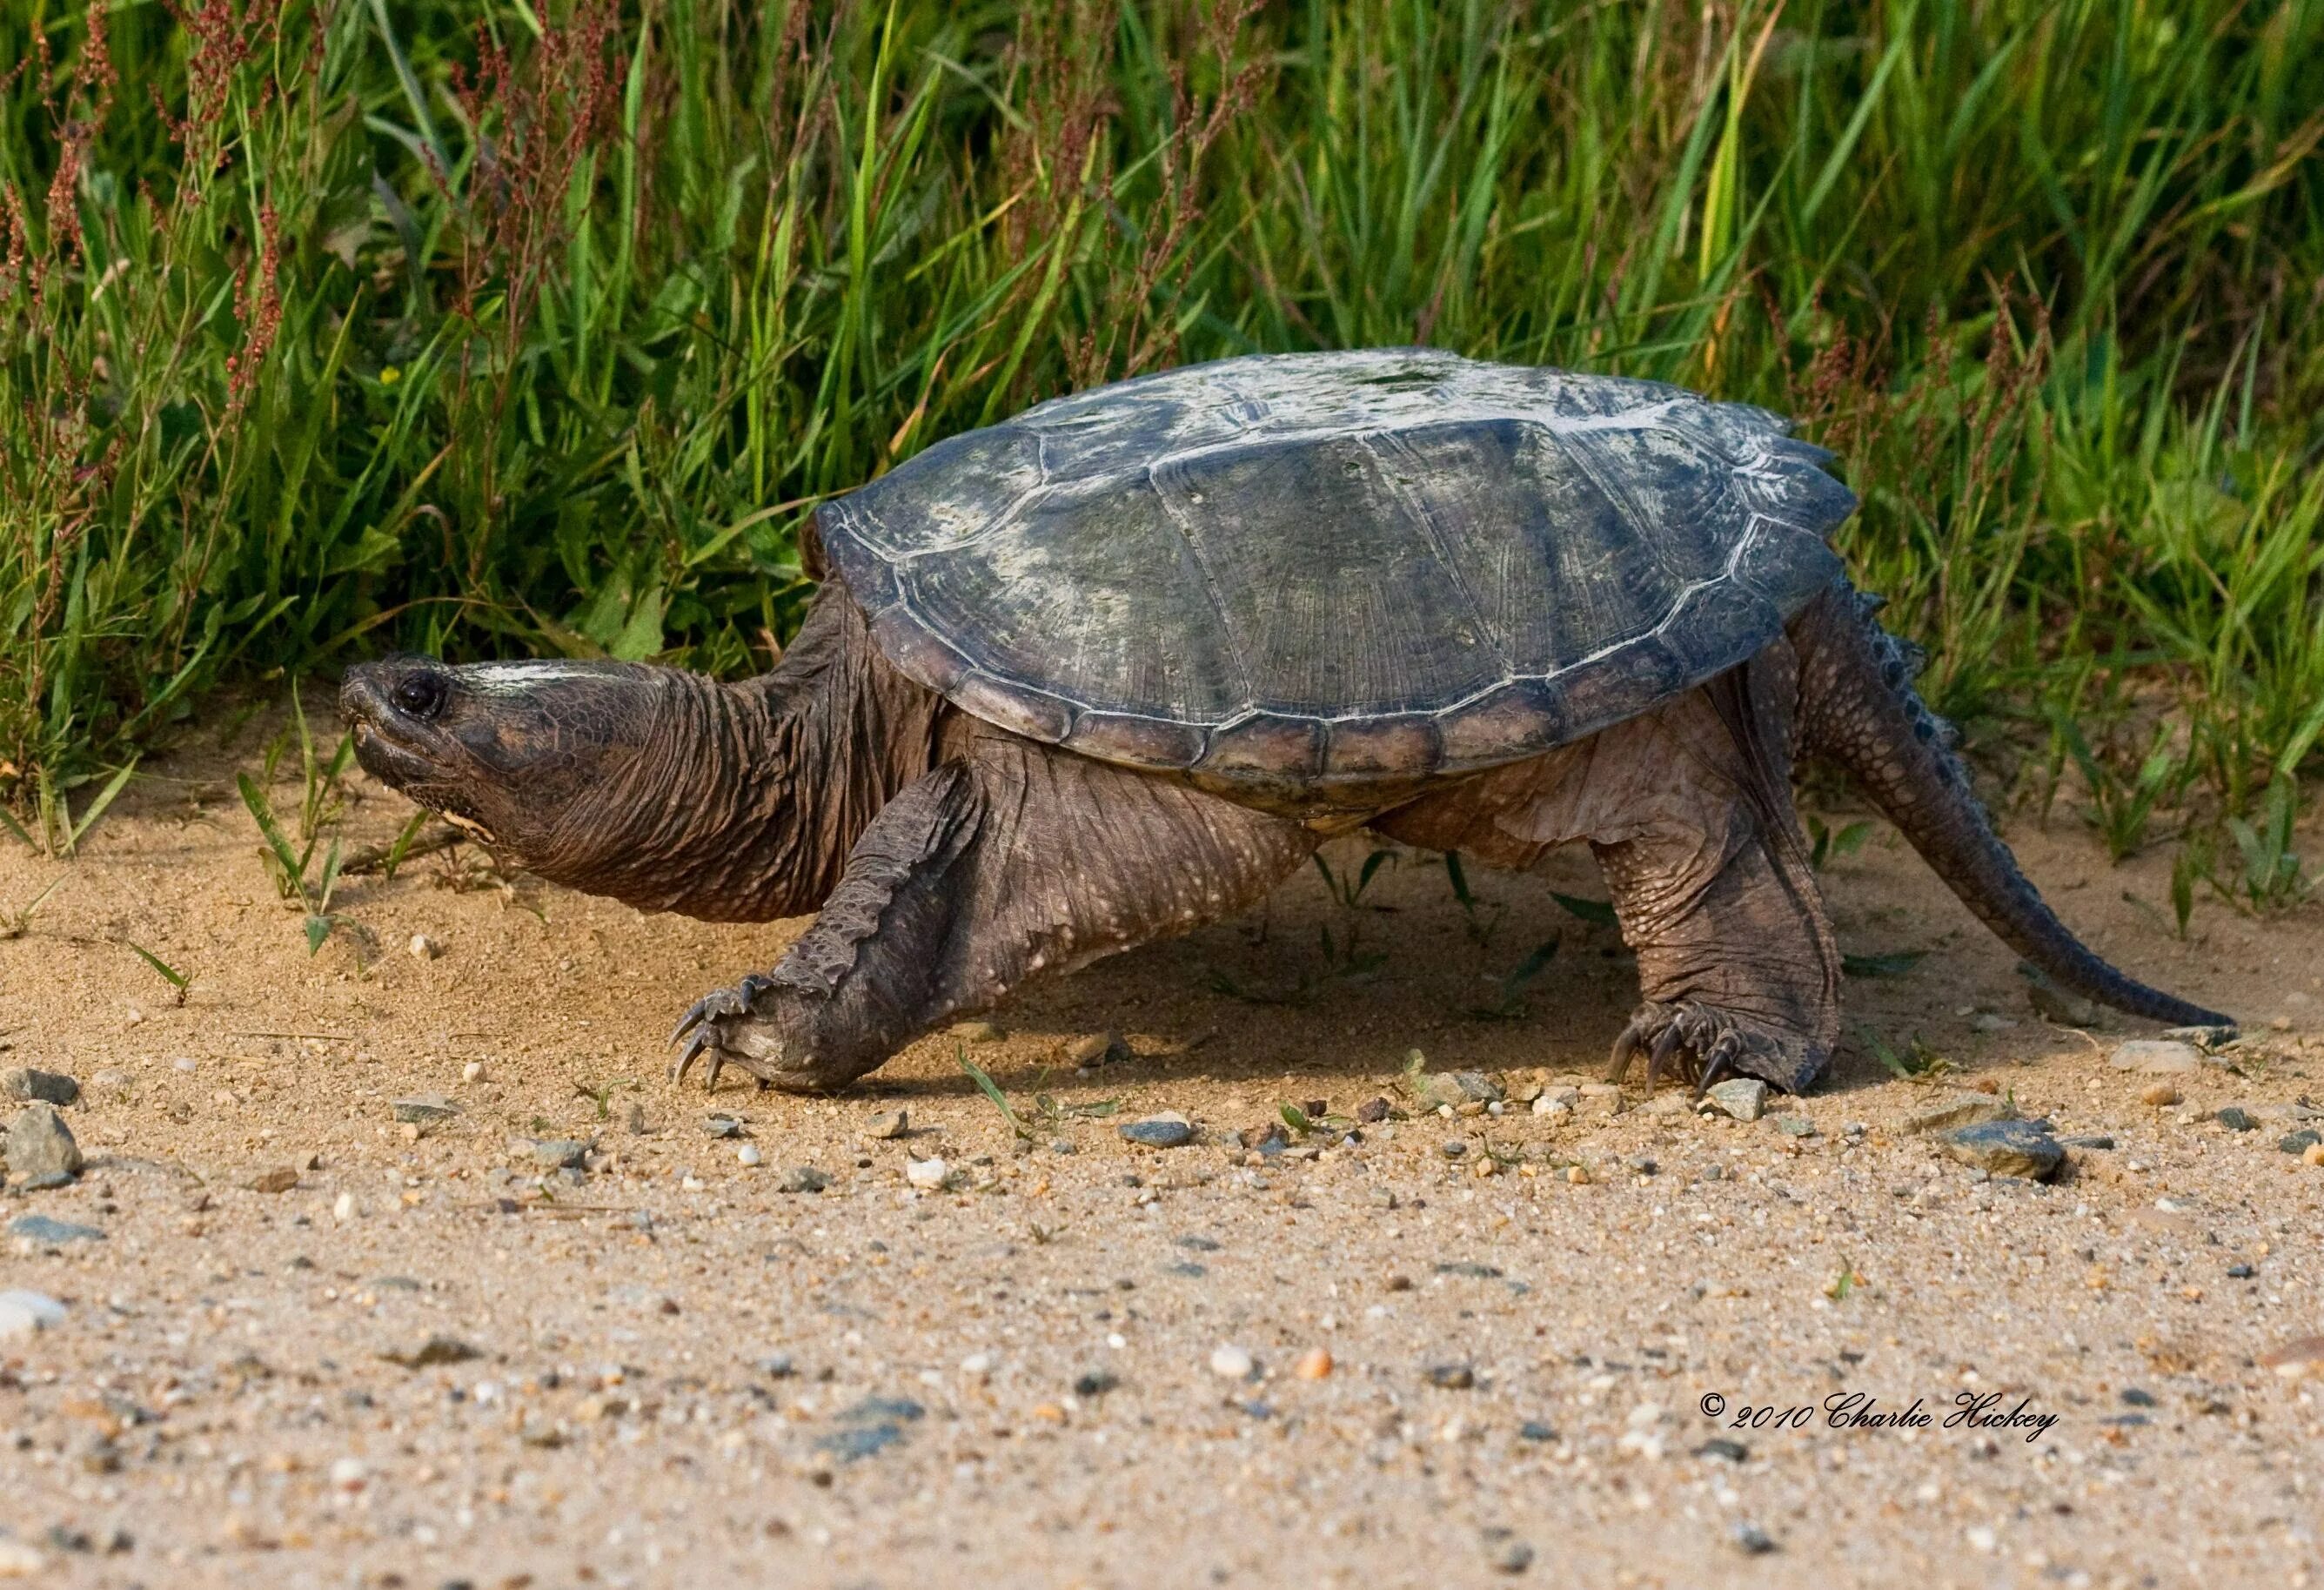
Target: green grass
{"x": 328, "y": 325}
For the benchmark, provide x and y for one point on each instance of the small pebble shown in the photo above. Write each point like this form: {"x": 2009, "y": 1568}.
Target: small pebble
{"x": 927, "y": 1174}
{"x": 803, "y": 1179}
{"x": 274, "y": 1178}
{"x": 1752, "y": 1540}
{"x": 723, "y": 1126}
{"x": 2298, "y": 1142}
{"x": 1743, "y": 1098}
{"x": 47, "y": 1087}
{"x": 2157, "y": 1055}
{"x": 39, "y": 1229}
{"x": 2006, "y": 1148}
{"x": 424, "y": 948}
{"x": 1450, "y": 1377}
{"x": 1794, "y": 1125}
{"x": 889, "y": 1126}
{"x": 433, "y": 1350}
{"x": 1454, "y": 1148}
{"x": 1314, "y": 1365}
{"x": 1168, "y": 1130}
{"x": 40, "y": 1147}
{"x": 551, "y": 1153}
{"x": 2314, "y": 1153}
{"x": 1229, "y": 1361}
{"x": 2235, "y": 1118}
{"x": 977, "y": 1032}
{"x": 749, "y": 1154}
{"x": 424, "y": 1109}
{"x": 2161, "y": 1095}
{"x": 1577, "y": 1176}
{"x": 345, "y": 1209}
{"x": 1512, "y": 1557}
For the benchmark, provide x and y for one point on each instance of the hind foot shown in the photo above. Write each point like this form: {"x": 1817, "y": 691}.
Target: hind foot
{"x": 1701, "y": 1044}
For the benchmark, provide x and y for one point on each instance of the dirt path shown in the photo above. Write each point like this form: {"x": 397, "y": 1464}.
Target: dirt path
{"x": 685, "y": 1374}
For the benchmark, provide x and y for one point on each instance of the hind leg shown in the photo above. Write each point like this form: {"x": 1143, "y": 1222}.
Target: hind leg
{"x": 1735, "y": 962}
{"x": 1009, "y": 863}
{"x": 1710, "y": 880}
{"x": 1689, "y": 812}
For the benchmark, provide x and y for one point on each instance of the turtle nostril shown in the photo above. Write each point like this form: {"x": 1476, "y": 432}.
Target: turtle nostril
{"x": 420, "y": 694}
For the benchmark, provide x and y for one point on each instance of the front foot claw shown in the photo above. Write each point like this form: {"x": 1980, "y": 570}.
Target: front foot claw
{"x": 1699, "y": 1043}
{"x": 724, "y": 1032}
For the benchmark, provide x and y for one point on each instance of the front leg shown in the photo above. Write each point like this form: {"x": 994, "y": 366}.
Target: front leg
{"x": 1012, "y": 862}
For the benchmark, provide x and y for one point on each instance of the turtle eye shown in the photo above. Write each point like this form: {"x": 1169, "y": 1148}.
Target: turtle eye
{"x": 420, "y": 695}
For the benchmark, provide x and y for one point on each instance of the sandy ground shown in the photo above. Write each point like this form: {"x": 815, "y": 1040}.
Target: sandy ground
{"x": 684, "y": 1374}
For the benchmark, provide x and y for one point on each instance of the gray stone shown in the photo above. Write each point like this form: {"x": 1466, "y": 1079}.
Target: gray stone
{"x": 803, "y": 1179}
{"x": 889, "y": 1126}
{"x": 40, "y": 1228}
{"x": 1168, "y": 1130}
{"x": 1743, "y": 1098}
{"x": 2235, "y": 1118}
{"x": 47, "y": 1087}
{"x": 1793, "y": 1125}
{"x": 1752, "y": 1540}
{"x": 435, "y": 1350}
{"x": 1432, "y": 1090}
{"x": 2008, "y": 1148}
{"x": 40, "y": 1148}
{"x": 2298, "y": 1142}
{"x": 1972, "y": 1110}
{"x": 723, "y": 1126}
{"x": 425, "y": 1109}
{"x": 2157, "y": 1056}
{"x": 552, "y": 1153}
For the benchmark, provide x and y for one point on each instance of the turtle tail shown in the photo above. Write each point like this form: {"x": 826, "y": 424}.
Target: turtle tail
{"x": 1858, "y": 709}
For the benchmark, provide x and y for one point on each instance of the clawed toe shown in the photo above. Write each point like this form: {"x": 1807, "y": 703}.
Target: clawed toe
{"x": 1699, "y": 1044}
{"x": 702, "y": 1030}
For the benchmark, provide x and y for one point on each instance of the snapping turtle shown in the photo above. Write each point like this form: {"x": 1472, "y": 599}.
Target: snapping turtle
{"x": 1114, "y": 668}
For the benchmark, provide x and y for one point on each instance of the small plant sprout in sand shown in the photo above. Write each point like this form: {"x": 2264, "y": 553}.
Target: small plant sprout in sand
{"x": 296, "y": 877}
{"x": 1918, "y": 1063}
{"x": 55, "y": 830}
{"x": 13, "y": 922}
{"x": 179, "y": 981}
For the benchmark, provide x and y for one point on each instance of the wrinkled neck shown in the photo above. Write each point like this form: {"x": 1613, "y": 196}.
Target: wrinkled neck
{"x": 746, "y": 798}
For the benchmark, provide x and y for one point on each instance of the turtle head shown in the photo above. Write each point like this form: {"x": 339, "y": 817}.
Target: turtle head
{"x": 566, "y": 767}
